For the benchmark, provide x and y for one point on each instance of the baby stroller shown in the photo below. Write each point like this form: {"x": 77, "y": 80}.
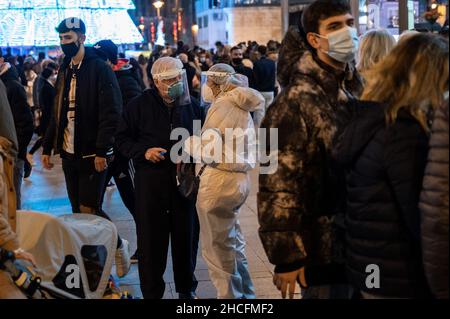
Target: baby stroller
{"x": 74, "y": 254}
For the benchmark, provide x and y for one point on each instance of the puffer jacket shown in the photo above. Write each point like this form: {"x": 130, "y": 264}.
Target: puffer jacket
{"x": 385, "y": 166}
{"x": 434, "y": 207}
{"x": 229, "y": 113}
{"x": 128, "y": 80}
{"x": 297, "y": 204}
{"x": 8, "y": 239}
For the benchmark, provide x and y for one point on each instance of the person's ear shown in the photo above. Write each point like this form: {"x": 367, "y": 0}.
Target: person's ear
{"x": 82, "y": 38}
{"x": 313, "y": 40}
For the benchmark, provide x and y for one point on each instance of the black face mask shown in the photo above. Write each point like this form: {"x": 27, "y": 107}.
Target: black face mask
{"x": 237, "y": 61}
{"x": 70, "y": 49}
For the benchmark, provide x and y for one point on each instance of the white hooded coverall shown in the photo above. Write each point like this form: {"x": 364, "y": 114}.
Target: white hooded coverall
{"x": 223, "y": 190}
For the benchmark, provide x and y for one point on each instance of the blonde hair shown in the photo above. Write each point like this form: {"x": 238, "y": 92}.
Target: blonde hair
{"x": 413, "y": 76}
{"x": 374, "y": 46}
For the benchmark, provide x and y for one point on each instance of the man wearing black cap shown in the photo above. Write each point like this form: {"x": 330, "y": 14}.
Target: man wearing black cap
{"x": 107, "y": 50}
{"x": 86, "y": 113}
{"x": 130, "y": 88}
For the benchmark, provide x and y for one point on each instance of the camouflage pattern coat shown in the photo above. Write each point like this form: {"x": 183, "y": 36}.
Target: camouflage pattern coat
{"x": 297, "y": 204}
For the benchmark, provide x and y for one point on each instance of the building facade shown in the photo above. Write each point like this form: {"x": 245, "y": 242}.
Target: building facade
{"x": 234, "y": 21}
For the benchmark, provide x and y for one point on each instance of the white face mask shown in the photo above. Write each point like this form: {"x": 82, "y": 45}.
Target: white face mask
{"x": 207, "y": 94}
{"x": 342, "y": 44}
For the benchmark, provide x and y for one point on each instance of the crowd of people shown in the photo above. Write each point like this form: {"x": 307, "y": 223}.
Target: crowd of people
{"x": 362, "y": 175}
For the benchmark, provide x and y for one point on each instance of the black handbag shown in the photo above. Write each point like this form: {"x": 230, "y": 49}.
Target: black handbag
{"x": 188, "y": 182}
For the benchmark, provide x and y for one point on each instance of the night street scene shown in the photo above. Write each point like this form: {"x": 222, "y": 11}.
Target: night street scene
{"x": 265, "y": 153}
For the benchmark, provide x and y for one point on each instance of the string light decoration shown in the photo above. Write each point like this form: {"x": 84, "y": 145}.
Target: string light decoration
{"x": 33, "y": 22}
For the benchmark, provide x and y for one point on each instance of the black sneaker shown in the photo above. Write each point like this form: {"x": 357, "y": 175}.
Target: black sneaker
{"x": 27, "y": 169}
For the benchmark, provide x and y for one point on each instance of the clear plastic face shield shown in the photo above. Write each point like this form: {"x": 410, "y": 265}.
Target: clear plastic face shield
{"x": 215, "y": 83}
{"x": 173, "y": 86}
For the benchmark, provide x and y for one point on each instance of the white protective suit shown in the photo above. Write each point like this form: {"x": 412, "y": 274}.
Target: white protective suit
{"x": 224, "y": 188}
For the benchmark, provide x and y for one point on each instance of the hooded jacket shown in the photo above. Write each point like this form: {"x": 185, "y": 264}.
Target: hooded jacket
{"x": 298, "y": 203}
{"x": 98, "y": 108}
{"x": 7, "y": 129}
{"x": 8, "y": 238}
{"x": 230, "y": 111}
{"x": 434, "y": 207}
{"x": 385, "y": 166}
{"x": 128, "y": 80}
{"x": 17, "y": 97}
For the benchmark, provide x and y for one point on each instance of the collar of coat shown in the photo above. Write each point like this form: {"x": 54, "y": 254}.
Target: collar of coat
{"x": 331, "y": 80}
{"x": 89, "y": 54}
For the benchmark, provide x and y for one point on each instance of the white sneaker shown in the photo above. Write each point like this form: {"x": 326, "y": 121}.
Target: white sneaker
{"x": 123, "y": 262}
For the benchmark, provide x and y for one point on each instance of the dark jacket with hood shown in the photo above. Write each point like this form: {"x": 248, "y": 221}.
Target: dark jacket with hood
{"x": 98, "y": 108}
{"x": 46, "y": 103}
{"x": 7, "y": 129}
{"x": 434, "y": 207}
{"x": 385, "y": 166}
{"x": 17, "y": 98}
{"x": 298, "y": 203}
{"x": 128, "y": 80}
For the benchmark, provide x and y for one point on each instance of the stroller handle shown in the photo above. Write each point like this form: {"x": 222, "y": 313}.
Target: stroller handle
{"x": 26, "y": 282}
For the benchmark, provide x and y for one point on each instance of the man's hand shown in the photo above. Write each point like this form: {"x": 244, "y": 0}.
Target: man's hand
{"x": 100, "y": 164}
{"x": 283, "y": 280}
{"x": 22, "y": 254}
{"x": 154, "y": 154}
{"x": 46, "y": 162}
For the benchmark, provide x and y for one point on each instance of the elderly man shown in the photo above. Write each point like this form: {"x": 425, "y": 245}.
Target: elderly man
{"x": 161, "y": 212}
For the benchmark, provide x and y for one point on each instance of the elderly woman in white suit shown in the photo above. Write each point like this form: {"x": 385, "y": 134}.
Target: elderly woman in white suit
{"x": 224, "y": 181}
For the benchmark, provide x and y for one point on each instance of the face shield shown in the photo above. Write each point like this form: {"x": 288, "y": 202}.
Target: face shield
{"x": 215, "y": 83}
{"x": 172, "y": 83}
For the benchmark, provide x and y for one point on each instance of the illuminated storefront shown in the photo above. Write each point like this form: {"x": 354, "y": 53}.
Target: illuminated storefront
{"x": 399, "y": 15}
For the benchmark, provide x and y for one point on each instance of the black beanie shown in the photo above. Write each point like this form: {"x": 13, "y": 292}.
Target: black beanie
{"x": 47, "y": 72}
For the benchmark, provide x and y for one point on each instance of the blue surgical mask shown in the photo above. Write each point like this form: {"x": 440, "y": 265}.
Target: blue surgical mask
{"x": 176, "y": 90}
{"x": 342, "y": 44}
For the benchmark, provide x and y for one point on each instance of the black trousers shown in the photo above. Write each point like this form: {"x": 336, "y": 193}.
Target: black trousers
{"x": 84, "y": 185}
{"x": 36, "y": 145}
{"x": 120, "y": 171}
{"x": 163, "y": 214}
